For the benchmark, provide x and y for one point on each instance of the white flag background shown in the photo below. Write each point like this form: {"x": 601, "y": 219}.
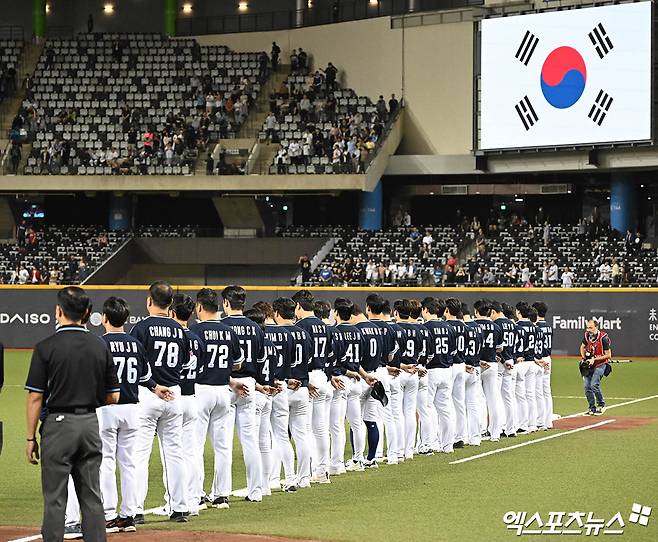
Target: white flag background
{"x": 624, "y": 73}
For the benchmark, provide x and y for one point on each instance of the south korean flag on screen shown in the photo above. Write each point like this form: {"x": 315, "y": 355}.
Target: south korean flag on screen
{"x": 566, "y": 78}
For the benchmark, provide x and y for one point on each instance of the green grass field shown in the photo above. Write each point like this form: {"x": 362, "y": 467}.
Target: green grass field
{"x": 602, "y": 471}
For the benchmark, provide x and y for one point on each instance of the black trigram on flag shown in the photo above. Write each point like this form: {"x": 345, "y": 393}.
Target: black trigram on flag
{"x": 600, "y": 107}
{"x": 526, "y": 113}
{"x": 599, "y": 38}
{"x": 527, "y": 47}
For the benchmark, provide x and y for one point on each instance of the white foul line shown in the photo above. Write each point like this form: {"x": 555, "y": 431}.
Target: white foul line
{"x": 582, "y": 397}
{"x": 27, "y": 538}
{"x": 577, "y": 414}
{"x": 535, "y": 441}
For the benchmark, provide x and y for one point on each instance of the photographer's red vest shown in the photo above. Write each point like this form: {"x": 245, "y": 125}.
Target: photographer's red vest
{"x": 595, "y": 346}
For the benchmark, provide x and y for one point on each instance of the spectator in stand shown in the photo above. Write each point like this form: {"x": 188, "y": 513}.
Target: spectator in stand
{"x": 547, "y": 234}
{"x": 274, "y": 55}
{"x": 428, "y": 239}
{"x": 567, "y": 278}
{"x": 581, "y": 230}
{"x": 330, "y": 74}
{"x": 525, "y": 274}
{"x": 302, "y": 61}
{"x": 511, "y": 275}
{"x": 28, "y": 86}
{"x": 605, "y": 272}
{"x": 15, "y": 153}
{"x": 406, "y": 219}
{"x": 304, "y": 264}
{"x": 382, "y": 111}
{"x": 544, "y": 274}
{"x": 270, "y": 126}
{"x": 615, "y": 272}
{"x": 35, "y": 275}
{"x": 23, "y": 275}
{"x": 452, "y": 261}
{"x": 553, "y": 273}
{"x": 438, "y": 274}
{"x": 489, "y": 277}
{"x": 294, "y": 62}
{"x": 393, "y": 105}
{"x": 460, "y": 276}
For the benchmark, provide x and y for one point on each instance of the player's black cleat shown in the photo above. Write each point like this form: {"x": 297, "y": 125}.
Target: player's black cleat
{"x": 139, "y": 519}
{"x": 126, "y": 525}
{"x": 221, "y": 503}
{"x": 112, "y": 525}
{"x": 520, "y": 431}
{"x": 178, "y": 517}
{"x": 458, "y": 445}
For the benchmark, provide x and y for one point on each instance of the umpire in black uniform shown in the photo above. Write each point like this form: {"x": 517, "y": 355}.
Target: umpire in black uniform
{"x": 75, "y": 371}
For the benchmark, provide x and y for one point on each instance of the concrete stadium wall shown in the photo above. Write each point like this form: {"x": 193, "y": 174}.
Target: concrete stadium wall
{"x": 435, "y": 62}
{"x": 628, "y": 315}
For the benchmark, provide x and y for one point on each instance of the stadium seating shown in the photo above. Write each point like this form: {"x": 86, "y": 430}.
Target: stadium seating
{"x": 81, "y": 91}
{"x": 10, "y": 54}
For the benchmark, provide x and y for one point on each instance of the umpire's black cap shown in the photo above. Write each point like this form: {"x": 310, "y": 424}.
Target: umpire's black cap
{"x": 377, "y": 392}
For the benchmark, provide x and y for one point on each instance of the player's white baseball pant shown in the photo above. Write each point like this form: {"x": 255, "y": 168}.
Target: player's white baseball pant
{"x": 247, "y": 429}
{"x": 214, "y": 418}
{"x": 491, "y": 387}
{"x": 539, "y": 395}
{"x": 263, "y": 412}
{"x": 300, "y": 406}
{"x": 440, "y": 393}
{"x": 282, "y": 451}
{"x": 165, "y": 418}
{"x": 472, "y": 390}
{"x": 426, "y": 416}
{"x": 459, "y": 400}
{"x": 520, "y": 393}
{"x": 508, "y": 396}
{"x": 189, "y": 405}
{"x": 319, "y": 419}
{"x": 118, "y": 426}
{"x": 386, "y": 414}
{"x": 484, "y": 414}
{"x": 355, "y": 418}
{"x": 397, "y": 400}
{"x": 531, "y": 394}
{"x": 337, "y": 415}
{"x": 548, "y": 394}
{"x": 72, "y": 514}
{"x": 409, "y": 388}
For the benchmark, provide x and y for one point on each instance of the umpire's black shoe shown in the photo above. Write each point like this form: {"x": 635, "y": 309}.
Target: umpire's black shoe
{"x": 178, "y": 517}
{"x": 458, "y": 444}
{"x": 139, "y": 519}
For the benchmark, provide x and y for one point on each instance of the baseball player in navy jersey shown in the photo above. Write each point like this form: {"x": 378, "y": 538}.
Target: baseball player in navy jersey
{"x": 492, "y": 340}
{"x": 426, "y": 438}
{"x": 387, "y": 371}
{"x": 215, "y": 417}
{"x": 373, "y": 357}
{"x": 506, "y": 370}
{"x": 452, "y": 313}
{"x": 347, "y": 345}
{"x": 443, "y": 347}
{"x": 168, "y": 353}
{"x": 472, "y": 382}
{"x": 118, "y": 424}
{"x": 282, "y": 452}
{"x": 413, "y": 345}
{"x": 318, "y": 376}
{"x": 547, "y": 394}
{"x": 525, "y": 375}
{"x": 265, "y": 389}
{"x": 300, "y": 390}
{"x": 251, "y": 338}
{"x": 181, "y": 311}
{"x": 538, "y": 369}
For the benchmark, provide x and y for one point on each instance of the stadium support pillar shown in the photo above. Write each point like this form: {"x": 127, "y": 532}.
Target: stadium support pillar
{"x": 170, "y": 13}
{"x": 622, "y": 202}
{"x": 371, "y": 209}
{"x": 39, "y": 19}
{"x": 120, "y": 212}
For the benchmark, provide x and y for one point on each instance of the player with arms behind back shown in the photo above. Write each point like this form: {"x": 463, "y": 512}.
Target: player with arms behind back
{"x": 547, "y": 394}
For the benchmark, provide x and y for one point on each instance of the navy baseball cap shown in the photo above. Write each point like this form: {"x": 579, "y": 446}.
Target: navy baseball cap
{"x": 378, "y": 392}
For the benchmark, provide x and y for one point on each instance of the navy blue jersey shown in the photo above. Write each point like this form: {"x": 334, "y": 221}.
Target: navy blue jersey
{"x": 548, "y": 337}
{"x": 374, "y": 354}
{"x": 265, "y": 367}
{"x": 412, "y": 343}
{"x": 188, "y": 376}
{"x": 285, "y": 347}
{"x": 473, "y": 344}
{"x": 492, "y": 338}
{"x": 508, "y": 328}
{"x": 529, "y": 339}
{"x": 131, "y": 363}
{"x": 167, "y": 348}
{"x": 426, "y": 352}
{"x": 391, "y": 346}
{"x": 443, "y": 344}
{"x": 251, "y": 338}
{"x": 321, "y": 338}
{"x": 348, "y": 345}
{"x": 539, "y": 342}
{"x": 519, "y": 346}
{"x": 221, "y": 352}
{"x": 303, "y": 351}
{"x": 399, "y": 335}
{"x": 460, "y": 336}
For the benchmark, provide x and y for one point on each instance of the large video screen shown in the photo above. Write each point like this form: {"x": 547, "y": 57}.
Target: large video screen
{"x": 573, "y": 77}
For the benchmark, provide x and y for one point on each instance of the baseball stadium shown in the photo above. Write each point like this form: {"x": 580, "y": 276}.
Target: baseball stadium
{"x": 328, "y": 270}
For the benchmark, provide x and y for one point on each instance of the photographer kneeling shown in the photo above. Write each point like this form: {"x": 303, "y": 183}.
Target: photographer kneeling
{"x": 596, "y": 354}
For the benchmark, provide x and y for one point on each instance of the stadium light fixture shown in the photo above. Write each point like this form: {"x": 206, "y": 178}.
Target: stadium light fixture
{"x": 518, "y": 200}
{"x": 47, "y": 8}
{"x": 373, "y": 2}
{"x": 108, "y": 9}
{"x": 187, "y": 8}
{"x": 267, "y": 198}
{"x": 503, "y": 207}
{"x": 243, "y": 6}
{"x": 285, "y": 207}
